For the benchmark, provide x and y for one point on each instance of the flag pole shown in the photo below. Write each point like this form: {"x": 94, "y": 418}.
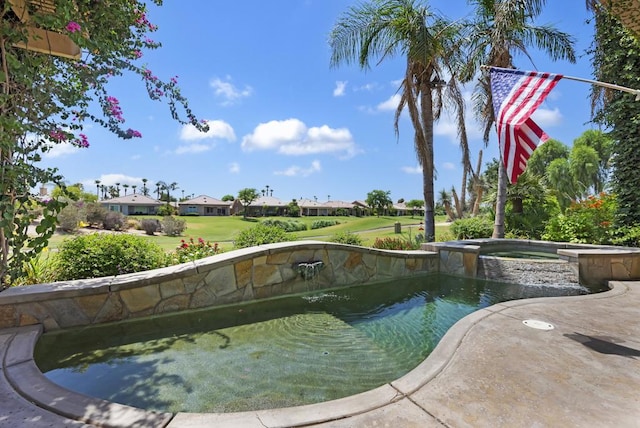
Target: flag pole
{"x": 635, "y": 92}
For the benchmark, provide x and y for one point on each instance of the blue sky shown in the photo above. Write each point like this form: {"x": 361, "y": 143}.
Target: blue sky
{"x": 281, "y": 116}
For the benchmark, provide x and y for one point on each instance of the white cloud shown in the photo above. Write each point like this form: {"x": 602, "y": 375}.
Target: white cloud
{"x": 112, "y": 179}
{"x": 412, "y": 169}
{"x": 449, "y": 165}
{"x": 390, "y": 104}
{"x": 447, "y": 125}
{"x": 228, "y": 92}
{"x": 297, "y": 171}
{"x": 340, "y": 88}
{"x": 292, "y": 137}
{"x": 218, "y": 129}
{"x": 545, "y": 117}
{"x": 368, "y": 87}
{"x": 234, "y": 167}
{"x": 192, "y": 148}
{"x": 60, "y": 150}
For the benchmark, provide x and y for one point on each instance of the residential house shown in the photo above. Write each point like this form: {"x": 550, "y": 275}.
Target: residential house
{"x": 206, "y": 206}
{"x": 310, "y": 207}
{"x": 264, "y": 206}
{"x": 134, "y": 204}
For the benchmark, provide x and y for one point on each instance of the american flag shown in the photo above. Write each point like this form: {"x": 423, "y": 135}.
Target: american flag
{"x": 516, "y": 95}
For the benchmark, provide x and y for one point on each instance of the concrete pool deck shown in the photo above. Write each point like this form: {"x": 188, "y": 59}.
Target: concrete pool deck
{"x": 489, "y": 370}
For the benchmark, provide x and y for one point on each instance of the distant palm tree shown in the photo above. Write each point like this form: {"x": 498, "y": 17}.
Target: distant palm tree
{"x": 117, "y": 189}
{"x": 134, "y": 186}
{"x": 500, "y": 29}
{"x": 431, "y": 45}
{"x": 160, "y": 185}
{"x": 98, "y": 188}
{"x": 145, "y": 191}
{"x": 126, "y": 187}
{"x": 172, "y": 186}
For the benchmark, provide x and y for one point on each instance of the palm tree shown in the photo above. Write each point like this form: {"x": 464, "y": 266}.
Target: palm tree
{"x": 160, "y": 185}
{"x": 172, "y": 186}
{"x": 98, "y": 188}
{"x": 445, "y": 201}
{"x": 145, "y": 191}
{"x": 117, "y": 189}
{"x": 383, "y": 28}
{"x": 134, "y": 187}
{"x": 126, "y": 187}
{"x": 500, "y": 29}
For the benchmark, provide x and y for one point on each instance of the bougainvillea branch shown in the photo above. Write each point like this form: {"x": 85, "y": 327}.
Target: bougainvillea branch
{"x": 46, "y": 99}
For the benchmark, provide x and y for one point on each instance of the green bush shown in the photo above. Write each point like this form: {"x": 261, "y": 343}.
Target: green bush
{"x": 627, "y": 236}
{"x": 390, "y": 243}
{"x": 114, "y": 220}
{"x": 319, "y": 224}
{"x": 95, "y": 213}
{"x": 172, "y": 226}
{"x": 286, "y": 225}
{"x": 193, "y": 250}
{"x": 346, "y": 237}
{"x": 165, "y": 210}
{"x": 70, "y": 217}
{"x": 150, "y": 226}
{"x": 261, "y": 234}
{"x": 105, "y": 254}
{"x": 587, "y": 222}
{"x": 472, "y": 228}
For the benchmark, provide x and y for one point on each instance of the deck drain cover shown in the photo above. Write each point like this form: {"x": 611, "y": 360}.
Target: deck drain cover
{"x": 540, "y": 325}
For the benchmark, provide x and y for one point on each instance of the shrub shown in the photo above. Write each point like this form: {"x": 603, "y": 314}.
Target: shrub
{"x": 150, "y": 226}
{"x": 319, "y": 224}
{"x": 70, "y": 217}
{"x": 165, "y": 210}
{"x": 173, "y": 226}
{"x": 114, "y": 220}
{"x": 390, "y": 243}
{"x": 105, "y": 254}
{"x": 193, "y": 250}
{"x": 472, "y": 228}
{"x": 343, "y": 212}
{"x": 628, "y": 236}
{"x": 587, "y": 222}
{"x": 38, "y": 270}
{"x": 95, "y": 213}
{"x": 346, "y": 237}
{"x": 261, "y": 234}
{"x": 286, "y": 225}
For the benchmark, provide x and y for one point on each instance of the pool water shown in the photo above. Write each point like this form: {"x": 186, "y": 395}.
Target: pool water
{"x": 273, "y": 353}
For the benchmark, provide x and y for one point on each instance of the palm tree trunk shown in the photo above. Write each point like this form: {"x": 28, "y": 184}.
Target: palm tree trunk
{"x": 501, "y": 202}
{"x": 456, "y": 201}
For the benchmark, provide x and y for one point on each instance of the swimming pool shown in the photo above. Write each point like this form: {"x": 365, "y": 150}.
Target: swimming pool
{"x": 271, "y": 353}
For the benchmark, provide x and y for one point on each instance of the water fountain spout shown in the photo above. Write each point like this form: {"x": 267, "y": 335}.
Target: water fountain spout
{"x": 310, "y": 270}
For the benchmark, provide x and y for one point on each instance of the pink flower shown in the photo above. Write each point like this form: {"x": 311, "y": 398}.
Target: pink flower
{"x": 83, "y": 141}
{"x": 137, "y": 54}
{"x": 134, "y": 133}
{"x": 73, "y": 26}
{"x": 58, "y": 135}
{"x": 113, "y": 107}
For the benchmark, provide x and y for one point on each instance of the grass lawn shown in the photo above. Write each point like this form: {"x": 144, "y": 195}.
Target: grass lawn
{"x": 225, "y": 229}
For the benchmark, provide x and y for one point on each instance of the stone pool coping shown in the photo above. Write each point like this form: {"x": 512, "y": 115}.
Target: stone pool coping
{"x": 28, "y": 396}
{"x": 25, "y": 380}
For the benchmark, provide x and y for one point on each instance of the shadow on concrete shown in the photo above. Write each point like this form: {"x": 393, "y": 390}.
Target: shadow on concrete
{"x": 605, "y": 345}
